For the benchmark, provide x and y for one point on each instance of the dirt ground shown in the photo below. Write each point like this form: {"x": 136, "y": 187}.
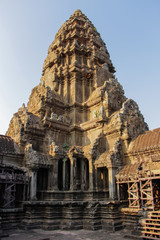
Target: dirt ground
{"x": 39, "y": 234}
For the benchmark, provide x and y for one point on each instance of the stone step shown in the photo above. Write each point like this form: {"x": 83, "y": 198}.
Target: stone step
{"x": 50, "y": 228}
{"x": 11, "y": 218}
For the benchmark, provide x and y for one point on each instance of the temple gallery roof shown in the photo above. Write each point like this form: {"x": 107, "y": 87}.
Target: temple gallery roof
{"x": 147, "y": 141}
{"x": 128, "y": 171}
{"x": 139, "y": 169}
{"x": 7, "y": 145}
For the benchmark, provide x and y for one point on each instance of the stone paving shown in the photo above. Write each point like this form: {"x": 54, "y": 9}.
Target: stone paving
{"x": 39, "y": 234}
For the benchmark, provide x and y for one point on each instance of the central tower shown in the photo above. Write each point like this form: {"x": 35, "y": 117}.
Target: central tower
{"x": 77, "y": 64}
{"x": 76, "y": 60}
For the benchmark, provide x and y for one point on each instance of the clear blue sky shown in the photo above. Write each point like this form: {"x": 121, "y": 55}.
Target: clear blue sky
{"x": 130, "y": 29}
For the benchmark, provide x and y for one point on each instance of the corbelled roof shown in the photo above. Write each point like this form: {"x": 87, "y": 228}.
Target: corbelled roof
{"x": 139, "y": 169}
{"x": 129, "y": 171}
{"x": 147, "y": 141}
{"x": 103, "y": 160}
{"x": 6, "y": 145}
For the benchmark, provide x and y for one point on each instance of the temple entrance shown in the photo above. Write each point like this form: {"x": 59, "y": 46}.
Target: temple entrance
{"x": 60, "y": 174}
{"x": 42, "y": 179}
{"x": 82, "y": 174}
{"x": 102, "y": 178}
{"x": 64, "y": 174}
{"x": 85, "y": 174}
{"x": 78, "y": 175}
{"x": 123, "y": 191}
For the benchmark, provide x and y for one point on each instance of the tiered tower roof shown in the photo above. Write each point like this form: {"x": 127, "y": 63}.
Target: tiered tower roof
{"x": 77, "y": 54}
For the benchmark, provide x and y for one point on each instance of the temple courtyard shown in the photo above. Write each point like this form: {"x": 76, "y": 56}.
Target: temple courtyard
{"x": 39, "y": 234}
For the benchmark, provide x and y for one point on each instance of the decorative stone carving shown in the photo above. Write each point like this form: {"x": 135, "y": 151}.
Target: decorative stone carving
{"x": 53, "y": 148}
{"x": 43, "y": 83}
{"x": 105, "y": 66}
{"x": 102, "y": 112}
{"x": 60, "y": 118}
{"x": 94, "y": 114}
{"x": 33, "y": 158}
{"x": 54, "y": 116}
{"x": 116, "y": 156}
{"x": 68, "y": 120}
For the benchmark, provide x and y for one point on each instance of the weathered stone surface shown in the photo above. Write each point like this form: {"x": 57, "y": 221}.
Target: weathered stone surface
{"x": 78, "y": 113}
{"x": 76, "y": 130}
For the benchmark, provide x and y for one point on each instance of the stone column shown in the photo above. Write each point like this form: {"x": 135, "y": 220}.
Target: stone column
{"x": 50, "y": 178}
{"x": 118, "y": 191}
{"x": 74, "y": 173}
{"x": 55, "y": 175}
{"x": 112, "y": 182}
{"x": 83, "y": 89}
{"x": 90, "y": 175}
{"x": 73, "y": 89}
{"x": 71, "y": 174}
{"x": 33, "y": 193}
{"x": 83, "y": 99}
{"x": 90, "y": 86}
{"x": 64, "y": 173}
{"x": 96, "y": 179}
{"x": 83, "y": 174}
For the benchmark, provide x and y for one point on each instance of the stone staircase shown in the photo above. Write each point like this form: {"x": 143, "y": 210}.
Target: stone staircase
{"x": 151, "y": 226}
{"x": 11, "y": 218}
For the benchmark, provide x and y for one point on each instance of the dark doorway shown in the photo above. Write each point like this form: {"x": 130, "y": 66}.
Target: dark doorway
{"x": 42, "y": 179}
{"x": 78, "y": 175}
{"x": 102, "y": 178}
{"x": 60, "y": 174}
{"x": 85, "y": 174}
{"x": 123, "y": 188}
{"x": 64, "y": 174}
{"x": 67, "y": 175}
{"x": 156, "y": 193}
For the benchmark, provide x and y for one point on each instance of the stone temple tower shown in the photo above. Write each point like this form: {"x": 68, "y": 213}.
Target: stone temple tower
{"x": 77, "y": 64}
{"x": 78, "y": 124}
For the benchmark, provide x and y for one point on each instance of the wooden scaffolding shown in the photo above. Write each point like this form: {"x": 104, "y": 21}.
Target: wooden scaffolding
{"x": 143, "y": 188}
{"x": 14, "y": 186}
